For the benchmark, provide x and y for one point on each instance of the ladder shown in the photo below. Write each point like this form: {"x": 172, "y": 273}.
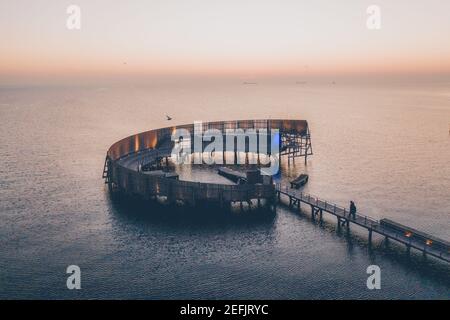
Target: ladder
{"x": 105, "y": 174}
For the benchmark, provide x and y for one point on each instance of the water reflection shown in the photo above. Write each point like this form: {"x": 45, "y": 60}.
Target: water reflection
{"x": 382, "y": 250}
{"x": 131, "y": 210}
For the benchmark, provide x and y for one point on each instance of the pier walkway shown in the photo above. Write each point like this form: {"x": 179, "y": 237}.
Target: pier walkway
{"x": 427, "y": 244}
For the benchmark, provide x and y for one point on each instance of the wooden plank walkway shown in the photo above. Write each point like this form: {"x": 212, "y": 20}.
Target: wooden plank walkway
{"x": 318, "y": 206}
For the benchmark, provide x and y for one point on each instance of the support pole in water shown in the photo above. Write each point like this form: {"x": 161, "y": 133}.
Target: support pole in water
{"x": 313, "y": 213}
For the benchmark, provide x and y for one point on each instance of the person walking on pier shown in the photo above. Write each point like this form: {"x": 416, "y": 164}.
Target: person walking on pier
{"x": 352, "y": 214}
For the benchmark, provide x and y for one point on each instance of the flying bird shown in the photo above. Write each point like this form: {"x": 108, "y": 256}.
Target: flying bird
{"x": 168, "y": 118}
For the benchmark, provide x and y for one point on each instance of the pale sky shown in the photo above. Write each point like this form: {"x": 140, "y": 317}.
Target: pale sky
{"x": 222, "y": 38}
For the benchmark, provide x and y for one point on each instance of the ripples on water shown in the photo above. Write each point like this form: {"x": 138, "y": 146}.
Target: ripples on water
{"x": 386, "y": 148}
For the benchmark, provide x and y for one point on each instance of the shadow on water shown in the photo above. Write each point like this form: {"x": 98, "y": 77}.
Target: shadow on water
{"x": 382, "y": 251}
{"x": 210, "y": 220}
{"x": 130, "y": 210}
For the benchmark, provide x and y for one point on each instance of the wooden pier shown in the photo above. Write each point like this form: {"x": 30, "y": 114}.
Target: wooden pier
{"x": 427, "y": 244}
{"x": 128, "y": 162}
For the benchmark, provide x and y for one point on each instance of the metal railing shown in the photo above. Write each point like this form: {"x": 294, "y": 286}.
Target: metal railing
{"x": 326, "y": 205}
{"x": 368, "y": 221}
{"x": 151, "y": 139}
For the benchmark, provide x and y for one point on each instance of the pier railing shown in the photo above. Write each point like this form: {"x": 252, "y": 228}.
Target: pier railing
{"x": 426, "y": 243}
{"x": 326, "y": 205}
{"x": 153, "y": 139}
{"x": 125, "y": 158}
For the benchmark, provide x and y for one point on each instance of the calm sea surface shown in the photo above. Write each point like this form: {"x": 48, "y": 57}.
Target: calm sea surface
{"x": 385, "y": 147}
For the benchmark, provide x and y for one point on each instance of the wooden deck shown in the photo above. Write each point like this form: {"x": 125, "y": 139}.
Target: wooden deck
{"x": 126, "y": 161}
{"x": 318, "y": 206}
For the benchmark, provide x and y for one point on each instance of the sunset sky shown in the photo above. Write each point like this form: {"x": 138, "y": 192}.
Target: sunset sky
{"x": 245, "y": 38}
